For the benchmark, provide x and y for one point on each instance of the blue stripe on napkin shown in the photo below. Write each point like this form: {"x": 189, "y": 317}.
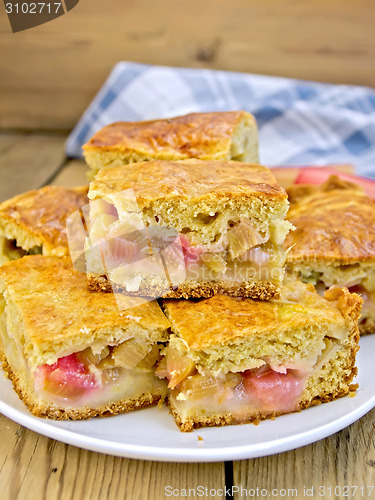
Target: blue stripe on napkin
{"x": 300, "y": 123}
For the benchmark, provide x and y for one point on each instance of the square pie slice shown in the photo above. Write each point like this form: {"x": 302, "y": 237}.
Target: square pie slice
{"x": 233, "y": 360}
{"x": 334, "y": 241}
{"x": 188, "y": 228}
{"x": 229, "y": 135}
{"x": 35, "y": 222}
{"x": 72, "y": 353}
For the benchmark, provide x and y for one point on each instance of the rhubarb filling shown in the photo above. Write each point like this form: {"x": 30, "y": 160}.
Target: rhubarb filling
{"x": 268, "y": 386}
{"x": 358, "y": 279}
{"x": 125, "y": 249}
{"x": 71, "y": 383}
{"x": 260, "y": 390}
{"x": 98, "y": 378}
{"x": 92, "y": 377}
{"x": 368, "y": 306}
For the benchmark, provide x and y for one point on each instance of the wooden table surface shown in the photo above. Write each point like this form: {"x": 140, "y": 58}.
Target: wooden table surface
{"x": 36, "y": 467}
{"x": 48, "y": 75}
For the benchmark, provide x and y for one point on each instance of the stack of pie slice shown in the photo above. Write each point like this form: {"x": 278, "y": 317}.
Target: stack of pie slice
{"x": 182, "y": 295}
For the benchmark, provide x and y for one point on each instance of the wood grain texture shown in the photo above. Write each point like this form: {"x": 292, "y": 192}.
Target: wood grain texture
{"x": 27, "y": 161}
{"x": 344, "y": 459}
{"x": 73, "y": 174}
{"x": 33, "y": 467}
{"x": 50, "y": 73}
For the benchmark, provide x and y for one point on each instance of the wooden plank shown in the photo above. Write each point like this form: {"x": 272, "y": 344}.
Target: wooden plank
{"x": 35, "y": 467}
{"x": 27, "y": 161}
{"x": 73, "y": 174}
{"x": 50, "y": 73}
{"x": 344, "y": 459}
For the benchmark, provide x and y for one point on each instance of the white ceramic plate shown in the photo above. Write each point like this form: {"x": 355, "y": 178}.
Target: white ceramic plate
{"x": 151, "y": 434}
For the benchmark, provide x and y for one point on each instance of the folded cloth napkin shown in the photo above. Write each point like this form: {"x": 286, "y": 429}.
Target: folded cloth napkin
{"x": 300, "y": 123}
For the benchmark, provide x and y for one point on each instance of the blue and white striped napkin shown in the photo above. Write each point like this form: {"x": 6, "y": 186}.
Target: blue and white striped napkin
{"x": 300, "y": 123}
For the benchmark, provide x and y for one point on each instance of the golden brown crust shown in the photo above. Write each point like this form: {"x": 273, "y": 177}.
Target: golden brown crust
{"x": 221, "y": 319}
{"x": 40, "y": 216}
{"x": 193, "y": 289}
{"x": 194, "y": 179}
{"x": 196, "y": 135}
{"x": 332, "y": 226}
{"x": 58, "y": 309}
{"x": 55, "y": 413}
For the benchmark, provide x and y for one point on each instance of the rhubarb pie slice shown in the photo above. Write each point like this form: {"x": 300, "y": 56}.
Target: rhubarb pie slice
{"x": 229, "y": 135}
{"x": 233, "y": 360}
{"x": 334, "y": 243}
{"x": 72, "y": 353}
{"x": 188, "y": 228}
{"x": 34, "y": 222}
